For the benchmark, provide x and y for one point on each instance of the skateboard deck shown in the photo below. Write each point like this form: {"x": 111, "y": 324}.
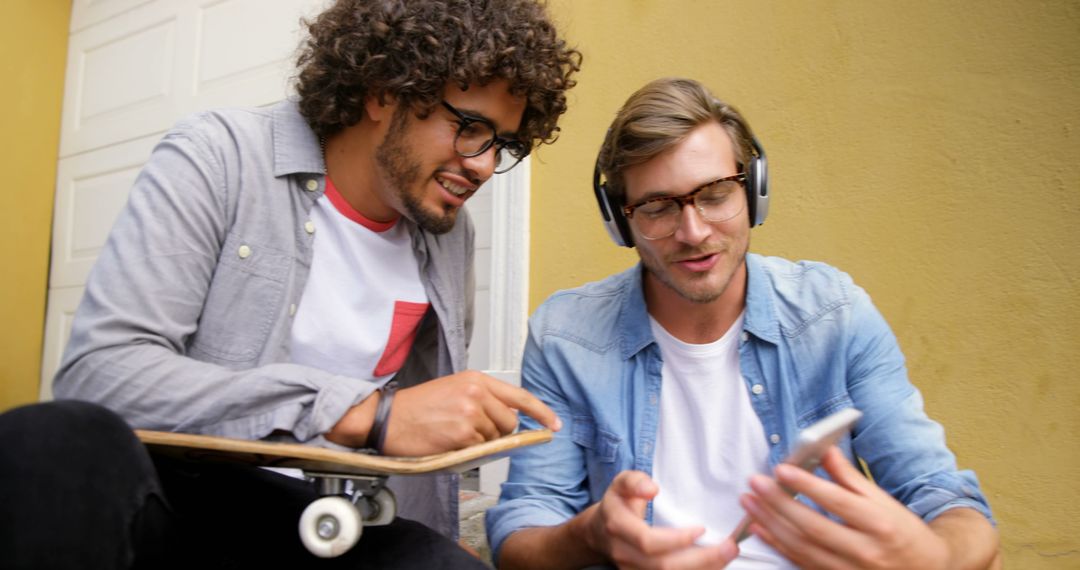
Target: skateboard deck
{"x": 352, "y": 485}
{"x": 318, "y": 459}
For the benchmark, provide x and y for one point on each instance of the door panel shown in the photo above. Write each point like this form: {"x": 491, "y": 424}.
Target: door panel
{"x": 134, "y": 68}
{"x": 91, "y": 188}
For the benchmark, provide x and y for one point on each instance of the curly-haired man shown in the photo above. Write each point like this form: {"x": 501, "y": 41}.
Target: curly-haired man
{"x": 277, "y": 274}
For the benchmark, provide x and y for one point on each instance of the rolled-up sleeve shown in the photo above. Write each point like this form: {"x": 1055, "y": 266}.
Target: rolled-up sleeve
{"x": 904, "y": 449}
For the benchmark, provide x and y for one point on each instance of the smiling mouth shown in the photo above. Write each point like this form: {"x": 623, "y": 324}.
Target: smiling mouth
{"x": 697, "y": 258}
{"x": 453, "y": 188}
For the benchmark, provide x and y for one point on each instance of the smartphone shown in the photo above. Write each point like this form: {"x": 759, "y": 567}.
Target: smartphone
{"x": 811, "y": 445}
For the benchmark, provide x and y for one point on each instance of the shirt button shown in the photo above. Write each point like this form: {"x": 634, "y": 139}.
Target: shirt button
{"x": 652, "y": 399}
{"x": 745, "y": 336}
{"x": 311, "y": 185}
{"x": 757, "y": 389}
{"x": 292, "y": 309}
{"x": 775, "y": 438}
{"x": 244, "y": 252}
{"x": 309, "y": 227}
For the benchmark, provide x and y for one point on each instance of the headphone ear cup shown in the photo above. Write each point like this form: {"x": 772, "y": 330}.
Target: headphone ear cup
{"x": 757, "y": 185}
{"x": 612, "y": 215}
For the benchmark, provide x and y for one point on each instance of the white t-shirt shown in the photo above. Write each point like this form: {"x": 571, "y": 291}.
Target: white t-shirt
{"x": 709, "y": 442}
{"x": 364, "y": 300}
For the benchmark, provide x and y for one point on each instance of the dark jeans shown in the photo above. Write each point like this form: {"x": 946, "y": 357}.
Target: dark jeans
{"x": 78, "y": 490}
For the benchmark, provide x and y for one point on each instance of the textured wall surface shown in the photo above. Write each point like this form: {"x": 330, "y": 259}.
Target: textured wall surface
{"x": 927, "y": 148}
{"x": 33, "y": 49}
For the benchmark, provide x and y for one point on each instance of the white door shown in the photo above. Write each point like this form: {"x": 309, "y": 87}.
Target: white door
{"x": 136, "y": 66}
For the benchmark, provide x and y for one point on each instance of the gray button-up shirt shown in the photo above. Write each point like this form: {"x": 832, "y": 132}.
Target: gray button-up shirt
{"x": 185, "y": 322}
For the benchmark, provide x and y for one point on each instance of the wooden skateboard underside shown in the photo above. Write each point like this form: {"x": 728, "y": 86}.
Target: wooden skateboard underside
{"x": 318, "y": 459}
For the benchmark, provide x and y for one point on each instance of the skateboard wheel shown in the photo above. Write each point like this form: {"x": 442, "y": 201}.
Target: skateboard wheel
{"x": 384, "y": 505}
{"x": 330, "y": 526}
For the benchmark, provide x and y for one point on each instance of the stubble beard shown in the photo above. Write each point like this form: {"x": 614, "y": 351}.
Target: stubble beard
{"x": 696, "y": 295}
{"x": 401, "y": 171}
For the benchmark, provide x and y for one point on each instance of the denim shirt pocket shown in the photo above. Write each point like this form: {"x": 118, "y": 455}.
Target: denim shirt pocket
{"x": 601, "y": 451}
{"x": 828, "y": 408}
{"x": 241, "y": 303}
{"x": 600, "y": 445}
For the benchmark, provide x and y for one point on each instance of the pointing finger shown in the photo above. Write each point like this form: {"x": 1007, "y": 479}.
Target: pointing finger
{"x": 521, "y": 400}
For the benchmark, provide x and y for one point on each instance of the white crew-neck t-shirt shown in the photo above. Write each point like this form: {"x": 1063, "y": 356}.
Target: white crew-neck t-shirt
{"x": 364, "y": 300}
{"x": 709, "y": 442}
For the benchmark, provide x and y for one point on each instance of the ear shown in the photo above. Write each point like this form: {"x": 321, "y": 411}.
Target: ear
{"x": 380, "y": 109}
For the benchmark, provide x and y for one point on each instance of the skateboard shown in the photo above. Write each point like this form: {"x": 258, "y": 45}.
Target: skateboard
{"x": 351, "y": 485}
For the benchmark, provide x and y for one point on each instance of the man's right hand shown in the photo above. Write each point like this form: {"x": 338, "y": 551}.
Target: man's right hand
{"x": 446, "y": 413}
{"x": 616, "y": 528}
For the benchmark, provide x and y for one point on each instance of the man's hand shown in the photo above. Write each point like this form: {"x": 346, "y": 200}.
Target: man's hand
{"x": 879, "y": 531}
{"x": 617, "y": 529}
{"x": 444, "y": 414}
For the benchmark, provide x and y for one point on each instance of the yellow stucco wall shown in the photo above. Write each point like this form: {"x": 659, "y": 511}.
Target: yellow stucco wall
{"x": 33, "y": 50}
{"x": 927, "y": 148}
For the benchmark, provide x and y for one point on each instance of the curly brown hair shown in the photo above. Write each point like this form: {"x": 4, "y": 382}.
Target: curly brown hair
{"x": 411, "y": 50}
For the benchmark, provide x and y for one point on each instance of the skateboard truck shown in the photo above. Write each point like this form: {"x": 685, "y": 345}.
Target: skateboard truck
{"x": 333, "y": 524}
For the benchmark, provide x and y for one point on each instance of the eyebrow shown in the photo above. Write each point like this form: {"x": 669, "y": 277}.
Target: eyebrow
{"x": 474, "y": 114}
{"x": 669, "y": 194}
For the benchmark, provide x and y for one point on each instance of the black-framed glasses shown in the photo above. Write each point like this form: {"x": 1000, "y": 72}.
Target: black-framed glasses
{"x": 716, "y": 201}
{"x": 475, "y": 135}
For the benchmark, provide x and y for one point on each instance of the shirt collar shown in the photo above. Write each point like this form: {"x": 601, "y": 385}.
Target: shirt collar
{"x": 633, "y": 322}
{"x": 759, "y": 318}
{"x": 296, "y": 148}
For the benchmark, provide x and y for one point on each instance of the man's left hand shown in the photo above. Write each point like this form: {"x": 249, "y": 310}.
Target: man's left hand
{"x": 878, "y": 531}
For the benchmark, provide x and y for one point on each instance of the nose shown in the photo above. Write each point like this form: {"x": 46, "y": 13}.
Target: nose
{"x": 693, "y": 229}
{"x": 481, "y": 166}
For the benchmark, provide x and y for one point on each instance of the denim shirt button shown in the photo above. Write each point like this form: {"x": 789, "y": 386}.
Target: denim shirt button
{"x": 652, "y": 399}
{"x": 311, "y": 185}
{"x": 745, "y": 336}
{"x": 774, "y": 438}
{"x": 757, "y": 389}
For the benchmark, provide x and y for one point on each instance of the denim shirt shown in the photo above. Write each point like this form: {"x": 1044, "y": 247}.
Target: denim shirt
{"x": 184, "y": 325}
{"x": 812, "y": 343}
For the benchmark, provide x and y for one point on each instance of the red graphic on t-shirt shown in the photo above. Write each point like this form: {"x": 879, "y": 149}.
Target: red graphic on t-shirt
{"x": 403, "y": 331}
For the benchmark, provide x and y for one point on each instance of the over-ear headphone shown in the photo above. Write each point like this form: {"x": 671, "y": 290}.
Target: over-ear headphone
{"x": 757, "y": 197}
